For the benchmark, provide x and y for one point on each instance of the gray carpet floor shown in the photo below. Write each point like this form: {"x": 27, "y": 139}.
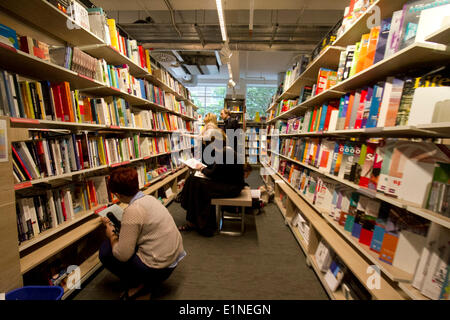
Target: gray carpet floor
{"x": 264, "y": 264}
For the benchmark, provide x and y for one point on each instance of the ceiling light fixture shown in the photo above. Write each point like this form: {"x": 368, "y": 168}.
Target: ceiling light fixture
{"x": 221, "y": 20}
{"x": 230, "y": 72}
{"x": 232, "y": 83}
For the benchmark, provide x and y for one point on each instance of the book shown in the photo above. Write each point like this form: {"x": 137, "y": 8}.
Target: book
{"x": 429, "y": 105}
{"x": 362, "y": 53}
{"x": 394, "y": 102}
{"x": 382, "y": 40}
{"x": 375, "y": 104}
{"x": 409, "y": 248}
{"x": 393, "y": 40}
{"x": 372, "y": 47}
{"x": 8, "y": 36}
{"x": 405, "y": 102}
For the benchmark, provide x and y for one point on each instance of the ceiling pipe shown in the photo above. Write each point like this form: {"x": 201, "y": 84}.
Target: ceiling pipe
{"x": 299, "y": 48}
{"x": 275, "y": 29}
{"x": 252, "y": 9}
{"x": 200, "y": 35}
{"x": 172, "y": 16}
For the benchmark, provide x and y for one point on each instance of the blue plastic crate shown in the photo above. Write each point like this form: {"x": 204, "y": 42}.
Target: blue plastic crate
{"x": 36, "y": 293}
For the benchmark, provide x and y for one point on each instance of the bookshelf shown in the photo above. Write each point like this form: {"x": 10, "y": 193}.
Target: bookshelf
{"x": 253, "y": 136}
{"x": 434, "y": 53}
{"x": 319, "y": 228}
{"x": 21, "y": 259}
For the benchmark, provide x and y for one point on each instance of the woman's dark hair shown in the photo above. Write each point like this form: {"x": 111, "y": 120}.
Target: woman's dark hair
{"x": 124, "y": 181}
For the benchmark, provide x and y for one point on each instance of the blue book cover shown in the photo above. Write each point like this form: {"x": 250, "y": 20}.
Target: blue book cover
{"x": 94, "y": 111}
{"x": 377, "y": 239}
{"x": 375, "y": 106}
{"x": 343, "y": 106}
{"x": 116, "y": 112}
{"x": 367, "y": 104}
{"x": 109, "y": 76}
{"x": 356, "y": 231}
{"x": 124, "y": 110}
{"x": 323, "y": 116}
{"x": 143, "y": 92}
{"x": 382, "y": 40}
{"x": 8, "y": 36}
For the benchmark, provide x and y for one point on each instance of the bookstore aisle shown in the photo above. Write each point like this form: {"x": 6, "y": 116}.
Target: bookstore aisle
{"x": 265, "y": 264}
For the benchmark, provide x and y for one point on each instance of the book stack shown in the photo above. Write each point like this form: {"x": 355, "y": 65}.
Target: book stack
{"x": 352, "y": 13}
{"x": 293, "y": 73}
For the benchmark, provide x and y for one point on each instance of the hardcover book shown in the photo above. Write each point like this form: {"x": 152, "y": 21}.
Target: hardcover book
{"x": 382, "y": 40}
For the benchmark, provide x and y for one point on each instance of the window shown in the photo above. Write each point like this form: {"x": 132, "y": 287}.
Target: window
{"x": 257, "y": 100}
{"x": 209, "y": 99}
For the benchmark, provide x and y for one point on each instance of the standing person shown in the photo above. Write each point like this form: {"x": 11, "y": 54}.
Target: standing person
{"x": 229, "y": 124}
{"x": 149, "y": 245}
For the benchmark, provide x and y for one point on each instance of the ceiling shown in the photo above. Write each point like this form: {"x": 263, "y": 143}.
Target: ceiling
{"x": 281, "y": 30}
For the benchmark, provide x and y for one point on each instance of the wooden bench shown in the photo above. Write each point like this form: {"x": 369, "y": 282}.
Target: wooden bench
{"x": 243, "y": 200}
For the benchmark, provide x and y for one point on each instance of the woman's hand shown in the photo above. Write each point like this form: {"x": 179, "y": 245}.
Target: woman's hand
{"x": 109, "y": 228}
{"x": 199, "y": 166}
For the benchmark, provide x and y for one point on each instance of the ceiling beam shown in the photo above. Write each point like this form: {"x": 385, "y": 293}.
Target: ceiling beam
{"x": 200, "y": 35}
{"x": 172, "y": 16}
{"x": 300, "y": 48}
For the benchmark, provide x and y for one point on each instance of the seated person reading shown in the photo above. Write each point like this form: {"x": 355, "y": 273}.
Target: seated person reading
{"x": 224, "y": 178}
{"x": 148, "y": 246}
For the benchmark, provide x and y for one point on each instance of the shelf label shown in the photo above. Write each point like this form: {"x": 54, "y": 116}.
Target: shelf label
{"x": 114, "y": 127}
{"x": 85, "y": 77}
{"x": 100, "y": 209}
{"x": 8, "y": 47}
{"x": 24, "y": 120}
{"x": 22, "y": 185}
{"x": 116, "y": 89}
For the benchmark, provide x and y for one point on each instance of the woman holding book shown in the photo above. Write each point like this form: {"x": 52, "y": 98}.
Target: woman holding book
{"x": 148, "y": 246}
{"x": 222, "y": 177}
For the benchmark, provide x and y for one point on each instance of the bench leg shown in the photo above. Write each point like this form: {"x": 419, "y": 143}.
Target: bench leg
{"x": 218, "y": 217}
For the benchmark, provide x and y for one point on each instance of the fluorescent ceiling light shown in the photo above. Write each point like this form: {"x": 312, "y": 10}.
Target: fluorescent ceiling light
{"x": 221, "y": 19}
{"x": 232, "y": 83}
{"x": 230, "y": 73}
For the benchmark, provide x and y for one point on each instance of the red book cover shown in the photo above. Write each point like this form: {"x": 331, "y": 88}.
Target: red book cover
{"x": 360, "y": 112}
{"x": 40, "y": 153}
{"x": 21, "y": 163}
{"x": 87, "y": 110}
{"x": 92, "y": 193}
{"x": 25, "y": 44}
{"x": 58, "y": 102}
{"x": 142, "y": 57}
{"x": 367, "y": 167}
{"x": 349, "y": 110}
{"x": 332, "y": 106}
{"x": 313, "y": 119}
{"x": 342, "y": 218}
{"x": 365, "y": 236}
{"x": 80, "y": 152}
{"x": 61, "y": 196}
{"x": 66, "y": 103}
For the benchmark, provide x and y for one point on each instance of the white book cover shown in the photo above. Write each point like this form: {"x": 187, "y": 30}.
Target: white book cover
{"x": 24, "y": 211}
{"x": 33, "y": 216}
{"x": 192, "y": 163}
{"x": 51, "y": 208}
{"x": 14, "y": 95}
{"x": 47, "y": 157}
{"x": 333, "y": 120}
{"x": 332, "y": 282}
{"x": 394, "y": 33}
{"x": 409, "y": 248}
{"x": 384, "y": 106}
{"x": 116, "y": 210}
{"x": 56, "y": 156}
{"x": 430, "y": 21}
{"x": 68, "y": 204}
{"x": 66, "y": 156}
{"x": 416, "y": 181}
{"x": 101, "y": 189}
{"x": 437, "y": 268}
{"x": 28, "y": 159}
{"x": 424, "y": 103}
{"x": 323, "y": 256}
{"x": 73, "y": 161}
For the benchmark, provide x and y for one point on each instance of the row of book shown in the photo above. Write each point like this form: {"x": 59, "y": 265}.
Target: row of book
{"x": 401, "y": 239}
{"x": 293, "y": 73}
{"x": 56, "y": 101}
{"x": 50, "y": 208}
{"x": 49, "y": 156}
{"x": 416, "y": 172}
{"x": 410, "y": 100}
{"x": 353, "y": 12}
{"x": 171, "y": 82}
{"x": 337, "y": 275}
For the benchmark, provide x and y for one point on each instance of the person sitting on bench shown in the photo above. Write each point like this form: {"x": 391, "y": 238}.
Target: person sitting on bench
{"x": 222, "y": 180}
{"x": 149, "y": 245}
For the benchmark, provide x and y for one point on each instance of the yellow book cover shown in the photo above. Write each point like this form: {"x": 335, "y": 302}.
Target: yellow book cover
{"x": 363, "y": 52}
{"x": 372, "y": 47}
{"x": 147, "y": 58}
{"x": 41, "y": 100}
{"x": 317, "y": 122}
{"x": 355, "y": 59}
{"x": 101, "y": 150}
{"x": 113, "y": 33}
{"x": 305, "y": 152}
{"x": 69, "y": 101}
{"x": 26, "y": 101}
{"x": 77, "y": 107}
{"x": 30, "y": 104}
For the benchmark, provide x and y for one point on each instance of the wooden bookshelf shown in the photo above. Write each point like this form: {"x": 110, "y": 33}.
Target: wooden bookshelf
{"x": 327, "y": 59}
{"x": 336, "y": 295}
{"x": 27, "y": 65}
{"x": 114, "y": 57}
{"x": 360, "y": 26}
{"x": 351, "y": 258}
{"x": 47, "y": 17}
{"x": 412, "y": 292}
{"x": 440, "y": 36}
{"x": 413, "y": 208}
{"x": 87, "y": 269}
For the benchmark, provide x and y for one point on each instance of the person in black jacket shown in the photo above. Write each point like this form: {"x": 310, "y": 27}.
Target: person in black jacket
{"x": 221, "y": 180}
{"x": 229, "y": 123}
